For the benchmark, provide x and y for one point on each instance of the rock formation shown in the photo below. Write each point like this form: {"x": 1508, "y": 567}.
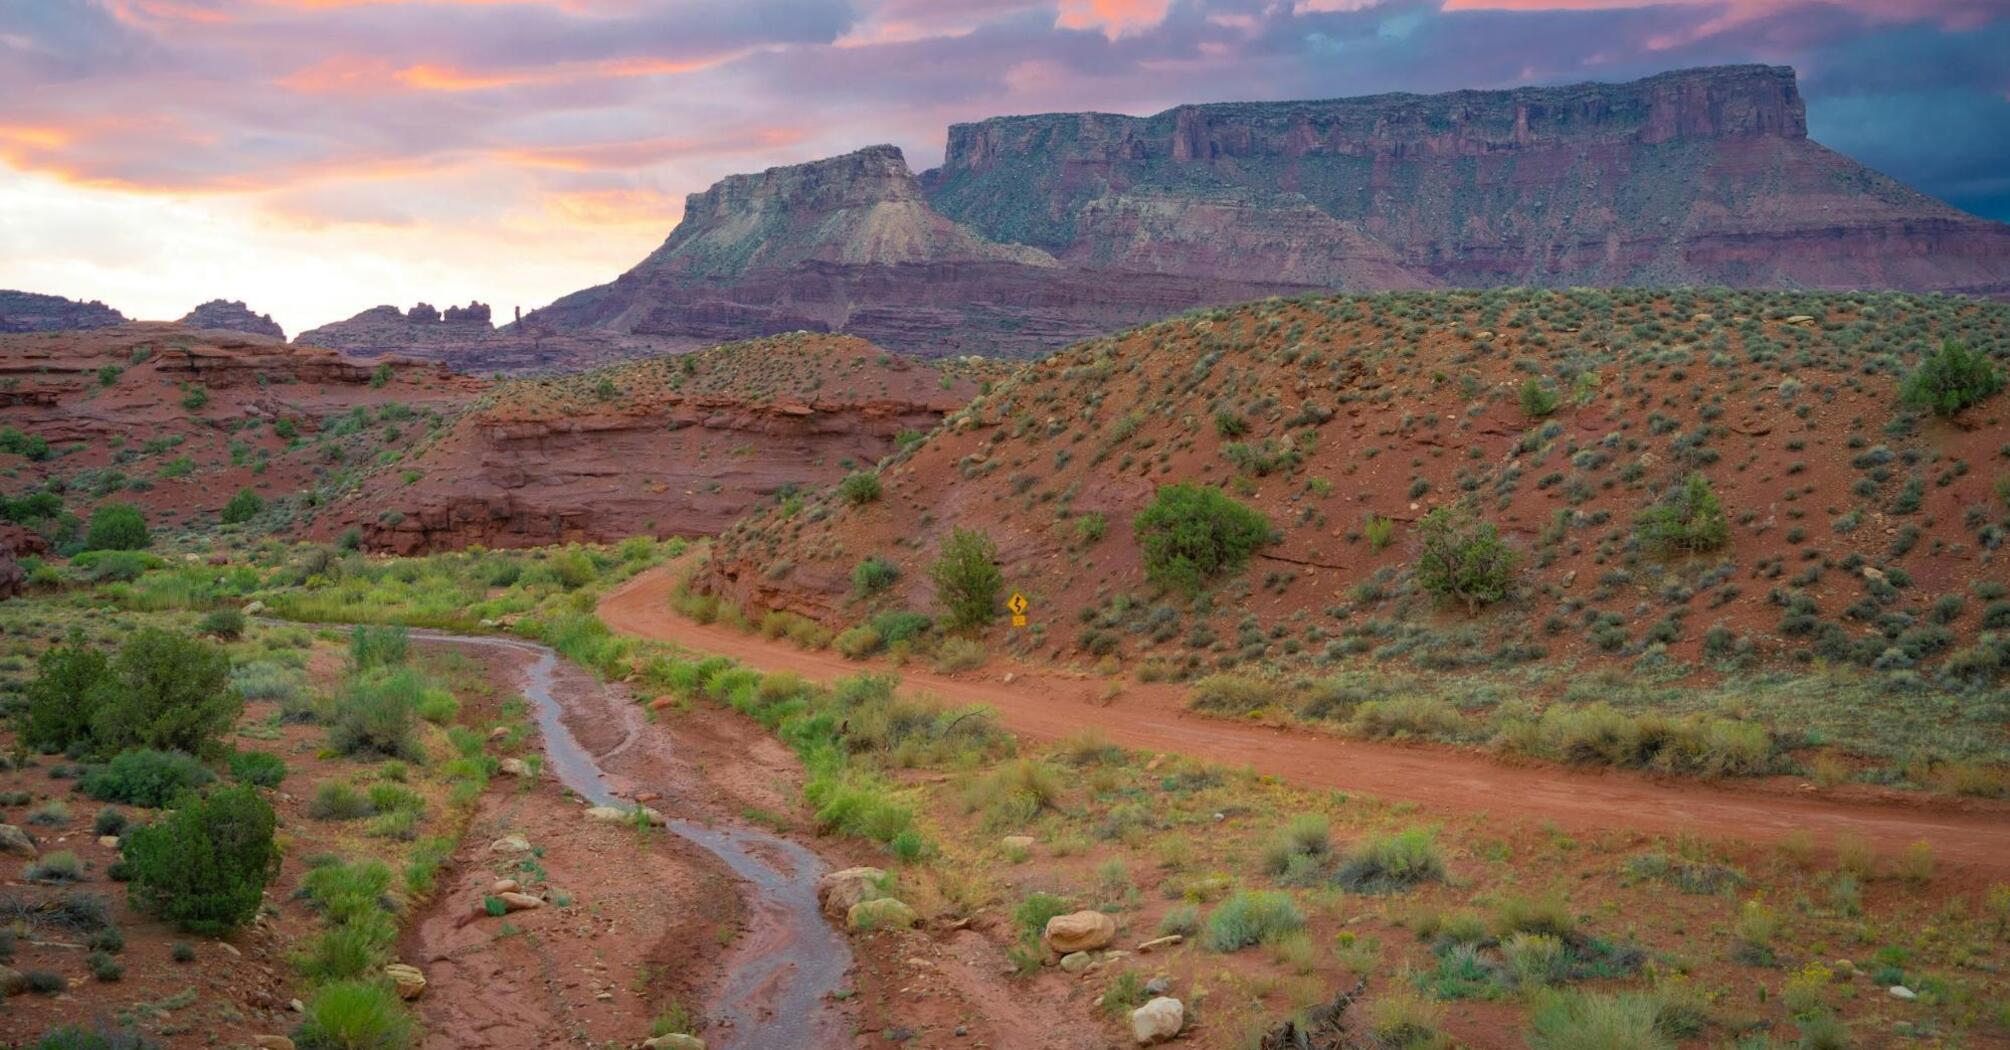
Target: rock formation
{"x": 32, "y": 312}
{"x": 463, "y": 338}
{"x": 1038, "y": 230}
{"x": 664, "y": 446}
{"x": 233, "y": 316}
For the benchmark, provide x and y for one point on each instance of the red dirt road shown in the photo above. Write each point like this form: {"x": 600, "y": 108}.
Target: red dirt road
{"x": 1968, "y": 837}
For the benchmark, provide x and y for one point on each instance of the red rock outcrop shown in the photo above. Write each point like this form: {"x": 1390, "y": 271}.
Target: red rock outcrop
{"x": 33, "y": 312}
{"x": 232, "y": 316}
{"x": 463, "y": 338}
{"x": 665, "y": 446}
{"x": 1040, "y": 230}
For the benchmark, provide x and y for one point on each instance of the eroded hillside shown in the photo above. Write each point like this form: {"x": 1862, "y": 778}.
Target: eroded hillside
{"x": 1859, "y": 531}
{"x": 666, "y": 446}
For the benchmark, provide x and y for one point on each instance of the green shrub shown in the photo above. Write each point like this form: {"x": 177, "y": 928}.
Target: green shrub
{"x": 1033, "y": 912}
{"x": 872, "y": 576}
{"x": 1379, "y": 531}
{"x": 261, "y": 768}
{"x": 967, "y": 578}
{"x": 1192, "y": 534}
{"x": 173, "y": 694}
{"x": 1538, "y": 400}
{"x": 1251, "y": 917}
{"x": 205, "y": 865}
{"x": 859, "y": 488}
{"x": 146, "y": 778}
{"x": 378, "y": 646}
{"x": 71, "y": 1037}
{"x": 857, "y": 643}
{"x": 377, "y": 713}
{"x": 63, "y": 699}
{"x": 1398, "y": 861}
{"x": 227, "y": 624}
{"x": 1950, "y": 380}
{"x": 1689, "y": 521}
{"x": 1574, "y": 1020}
{"x": 1233, "y": 694}
{"x": 901, "y": 625}
{"x": 338, "y": 800}
{"x": 117, "y": 527}
{"x": 1535, "y": 959}
{"x": 242, "y": 507}
{"x": 1463, "y": 558}
{"x": 356, "y": 1015}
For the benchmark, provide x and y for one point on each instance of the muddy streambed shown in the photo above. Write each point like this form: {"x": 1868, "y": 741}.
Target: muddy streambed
{"x": 781, "y": 974}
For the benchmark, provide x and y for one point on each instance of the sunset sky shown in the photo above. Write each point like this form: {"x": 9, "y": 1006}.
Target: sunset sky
{"x": 317, "y": 157}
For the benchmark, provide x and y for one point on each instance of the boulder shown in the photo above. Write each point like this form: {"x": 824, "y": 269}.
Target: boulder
{"x": 880, "y": 914}
{"x": 1076, "y": 962}
{"x": 1901, "y": 992}
{"x": 674, "y": 1042}
{"x": 108, "y": 841}
{"x": 15, "y": 842}
{"x": 271, "y": 1042}
{"x": 1082, "y": 931}
{"x": 838, "y": 891}
{"x": 254, "y": 608}
{"x": 513, "y": 767}
{"x": 12, "y": 981}
{"x": 1017, "y": 843}
{"x": 1157, "y": 1021}
{"x": 407, "y": 979}
{"x": 504, "y": 886}
{"x": 1168, "y": 941}
{"x": 510, "y": 844}
{"x": 618, "y": 815}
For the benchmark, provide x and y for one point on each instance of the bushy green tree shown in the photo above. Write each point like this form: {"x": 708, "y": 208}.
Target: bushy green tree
{"x": 1538, "y": 400}
{"x": 1191, "y": 534}
{"x": 967, "y": 578}
{"x": 859, "y": 488}
{"x": 117, "y": 527}
{"x": 1463, "y": 558}
{"x": 204, "y": 867}
{"x": 242, "y": 507}
{"x": 173, "y": 694}
{"x": 1689, "y": 521}
{"x": 1950, "y": 380}
{"x": 72, "y": 684}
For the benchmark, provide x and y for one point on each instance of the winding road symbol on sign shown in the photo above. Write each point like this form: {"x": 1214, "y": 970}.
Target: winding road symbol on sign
{"x": 1017, "y": 603}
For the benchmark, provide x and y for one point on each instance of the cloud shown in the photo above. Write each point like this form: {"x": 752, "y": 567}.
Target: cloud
{"x": 485, "y": 134}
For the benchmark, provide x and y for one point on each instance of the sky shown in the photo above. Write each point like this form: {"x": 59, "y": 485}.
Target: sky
{"x": 318, "y": 157}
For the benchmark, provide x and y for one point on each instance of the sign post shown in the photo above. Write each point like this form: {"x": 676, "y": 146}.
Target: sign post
{"x": 1017, "y": 604}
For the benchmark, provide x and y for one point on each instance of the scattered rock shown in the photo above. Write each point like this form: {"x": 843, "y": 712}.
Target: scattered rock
{"x": 1167, "y": 941}
{"x": 1076, "y": 962}
{"x": 618, "y": 815}
{"x": 254, "y": 608}
{"x": 513, "y": 767}
{"x": 1158, "y": 1020}
{"x": 1080, "y": 931}
{"x": 499, "y": 733}
{"x": 1801, "y": 321}
{"x": 15, "y": 842}
{"x": 1158, "y": 986}
{"x": 108, "y": 841}
{"x": 879, "y": 914}
{"x": 1017, "y": 842}
{"x": 408, "y": 980}
{"x": 505, "y": 886}
{"x": 511, "y": 902}
{"x": 674, "y": 1042}
{"x": 12, "y": 981}
{"x": 510, "y": 844}
{"x": 1899, "y": 991}
{"x": 271, "y": 1042}
{"x": 839, "y": 891}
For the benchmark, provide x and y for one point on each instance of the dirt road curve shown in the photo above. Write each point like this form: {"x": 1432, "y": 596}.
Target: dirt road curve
{"x": 1967, "y": 836}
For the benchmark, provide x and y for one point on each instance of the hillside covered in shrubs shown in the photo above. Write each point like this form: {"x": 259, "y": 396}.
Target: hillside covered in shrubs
{"x": 1679, "y": 483}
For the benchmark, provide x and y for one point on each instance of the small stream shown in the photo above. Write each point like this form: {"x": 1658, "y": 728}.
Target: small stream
{"x": 781, "y": 975}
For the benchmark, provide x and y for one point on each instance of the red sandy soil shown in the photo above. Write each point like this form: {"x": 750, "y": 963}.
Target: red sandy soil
{"x": 1971, "y": 837}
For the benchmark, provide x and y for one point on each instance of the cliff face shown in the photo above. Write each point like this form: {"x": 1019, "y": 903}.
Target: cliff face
{"x": 222, "y": 315}
{"x": 1038, "y": 230}
{"x": 32, "y": 312}
{"x": 665, "y": 446}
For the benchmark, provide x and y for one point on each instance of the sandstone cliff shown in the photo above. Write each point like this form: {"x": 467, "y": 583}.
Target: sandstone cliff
{"x": 463, "y": 338}
{"x": 33, "y": 312}
{"x": 233, "y": 316}
{"x": 1038, "y": 230}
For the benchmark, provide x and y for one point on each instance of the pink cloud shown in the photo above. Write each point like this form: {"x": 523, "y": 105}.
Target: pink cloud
{"x": 1113, "y": 17}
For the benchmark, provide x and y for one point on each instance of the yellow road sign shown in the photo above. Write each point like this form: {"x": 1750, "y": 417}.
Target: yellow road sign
{"x": 1017, "y": 603}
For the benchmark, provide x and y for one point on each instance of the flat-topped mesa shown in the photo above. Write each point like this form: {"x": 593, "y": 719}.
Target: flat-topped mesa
{"x": 35, "y": 312}
{"x": 862, "y": 178}
{"x": 1714, "y": 103}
